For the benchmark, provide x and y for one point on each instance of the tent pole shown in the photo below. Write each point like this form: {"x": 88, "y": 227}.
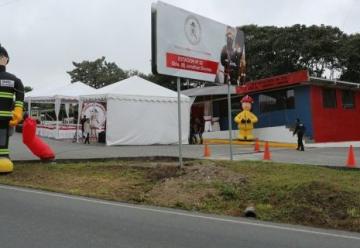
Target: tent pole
{"x": 78, "y": 121}
{"x": 29, "y": 107}
{"x": 179, "y": 122}
{"x": 57, "y": 102}
{"x": 57, "y": 127}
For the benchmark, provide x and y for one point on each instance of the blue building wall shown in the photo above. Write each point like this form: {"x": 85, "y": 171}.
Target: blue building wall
{"x": 287, "y": 117}
{"x": 224, "y": 123}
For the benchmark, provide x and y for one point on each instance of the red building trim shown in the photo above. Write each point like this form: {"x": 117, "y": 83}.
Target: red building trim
{"x": 274, "y": 82}
{"x": 334, "y": 124}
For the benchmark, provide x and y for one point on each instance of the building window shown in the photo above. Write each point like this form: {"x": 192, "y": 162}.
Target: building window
{"x": 277, "y": 100}
{"x": 329, "y": 98}
{"x": 348, "y": 99}
{"x": 236, "y": 104}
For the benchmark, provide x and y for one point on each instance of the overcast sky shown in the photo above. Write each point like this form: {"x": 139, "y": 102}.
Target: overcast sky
{"x": 43, "y": 37}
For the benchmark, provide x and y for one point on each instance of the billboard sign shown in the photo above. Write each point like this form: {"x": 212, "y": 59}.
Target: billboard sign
{"x": 188, "y": 45}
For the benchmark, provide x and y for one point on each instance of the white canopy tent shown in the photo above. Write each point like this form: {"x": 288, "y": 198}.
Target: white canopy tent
{"x": 140, "y": 112}
{"x": 57, "y": 95}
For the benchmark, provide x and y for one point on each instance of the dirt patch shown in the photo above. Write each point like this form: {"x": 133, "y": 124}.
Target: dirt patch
{"x": 211, "y": 173}
{"x": 161, "y": 172}
{"x": 191, "y": 187}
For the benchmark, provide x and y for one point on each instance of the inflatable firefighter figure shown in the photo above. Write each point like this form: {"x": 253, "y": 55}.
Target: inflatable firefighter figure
{"x": 11, "y": 109}
{"x": 245, "y": 119}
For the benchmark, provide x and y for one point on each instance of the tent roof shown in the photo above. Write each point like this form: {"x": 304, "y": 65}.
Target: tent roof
{"x": 42, "y": 91}
{"x": 131, "y": 88}
{"x": 70, "y": 92}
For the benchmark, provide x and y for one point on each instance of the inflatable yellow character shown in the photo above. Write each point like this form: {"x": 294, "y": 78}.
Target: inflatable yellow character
{"x": 245, "y": 119}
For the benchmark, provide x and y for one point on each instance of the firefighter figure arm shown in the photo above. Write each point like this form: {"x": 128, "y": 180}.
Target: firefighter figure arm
{"x": 239, "y": 117}
{"x": 17, "y": 113}
{"x": 252, "y": 117}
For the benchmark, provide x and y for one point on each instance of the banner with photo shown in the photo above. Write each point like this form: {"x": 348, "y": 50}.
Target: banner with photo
{"x": 191, "y": 46}
{"x": 96, "y": 113}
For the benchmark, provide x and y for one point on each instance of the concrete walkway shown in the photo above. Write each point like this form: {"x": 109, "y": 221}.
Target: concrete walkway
{"x": 69, "y": 150}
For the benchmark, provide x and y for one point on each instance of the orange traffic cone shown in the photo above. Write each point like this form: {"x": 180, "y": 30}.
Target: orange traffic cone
{"x": 351, "y": 163}
{"x": 257, "y": 146}
{"x": 267, "y": 154}
{"x": 207, "y": 151}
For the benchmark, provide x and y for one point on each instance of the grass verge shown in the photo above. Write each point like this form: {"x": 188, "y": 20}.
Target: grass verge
{"x": 296, "y": 194}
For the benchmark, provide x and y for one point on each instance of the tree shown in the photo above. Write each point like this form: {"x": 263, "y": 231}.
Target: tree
{"x": 27, "y": 89}
{"x": 97, "y": 74}
{"x": 350, "y": 59}
{"x": 277, "y": 50}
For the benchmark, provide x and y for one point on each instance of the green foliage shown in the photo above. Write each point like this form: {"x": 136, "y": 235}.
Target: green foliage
{"x": 277, "y": 50}
{"x": 97, "y": 74}
{"x": 228, "y": 192}
{"x": 350, "y": 58}
{"x": 100, "y": 73}
{"x": 27, "y": 89}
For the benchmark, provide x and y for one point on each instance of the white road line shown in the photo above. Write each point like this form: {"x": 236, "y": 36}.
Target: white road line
{"x": 163, "y": 211}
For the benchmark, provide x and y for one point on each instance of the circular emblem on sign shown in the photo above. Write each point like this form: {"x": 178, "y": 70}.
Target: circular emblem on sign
{"x": 192, "y": 30}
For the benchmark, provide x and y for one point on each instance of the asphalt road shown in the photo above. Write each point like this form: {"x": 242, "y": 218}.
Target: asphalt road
{"x": 39, "y": 219}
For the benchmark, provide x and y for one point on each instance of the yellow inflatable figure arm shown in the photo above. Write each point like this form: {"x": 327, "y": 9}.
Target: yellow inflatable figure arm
{"x": 252, "y": 117}
{"x": 239, "y": 117}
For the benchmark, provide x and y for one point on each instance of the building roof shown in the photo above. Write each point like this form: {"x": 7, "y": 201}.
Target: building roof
{"x": 292, "y": 79}
{"x": 206, "y": 91}
{"x": 272, "y": 83}
{"x": 334, "y": 83}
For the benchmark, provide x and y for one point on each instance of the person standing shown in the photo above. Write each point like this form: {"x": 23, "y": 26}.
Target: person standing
{"x": 299, "y": 130}
{"x": 231, "y": 57}
{"x": 199, "y": 130}
{"x": 82, "y": 122}
{"x": 11, "y": 109}
{"x": 87, "y": 131}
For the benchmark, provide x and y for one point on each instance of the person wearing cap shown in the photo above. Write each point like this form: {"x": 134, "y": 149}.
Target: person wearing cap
{"x": 246, "y": 119}
{"x": 11, "y": 109}
{"x": 299, "y": 131}
{"x": 231, "y": 57}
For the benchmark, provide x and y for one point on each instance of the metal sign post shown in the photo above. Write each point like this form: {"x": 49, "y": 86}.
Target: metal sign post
{"x": 230, "y": 120}
{"x": 179, "y": 122}
{"x": 200, "y": 53}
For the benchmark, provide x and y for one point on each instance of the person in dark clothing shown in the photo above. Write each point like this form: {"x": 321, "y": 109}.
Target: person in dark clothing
{"x": 192, "y": 138}
{"x": 196, "y": 131}
{"x": 199, "y": 129}
{"x": 232, "y": 57}
{"x": 299, "y": 130}
{"x": 11, "y": 109}
{"x": 82, "y": 122}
